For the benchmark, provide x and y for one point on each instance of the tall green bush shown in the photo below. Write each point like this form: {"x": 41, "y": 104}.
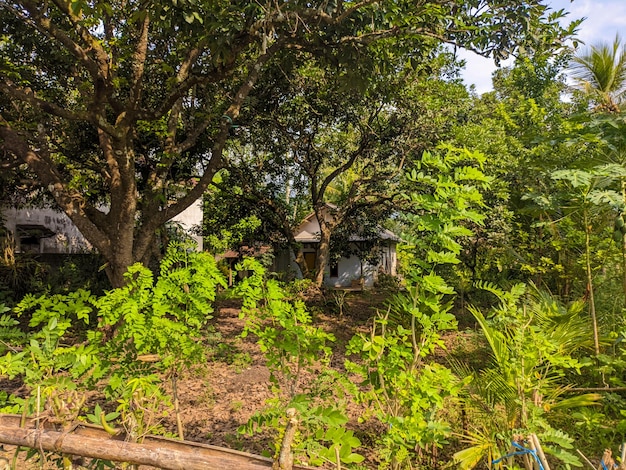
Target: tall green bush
{"x": 403, "y": 385}
{"x": 124, "y": 337}
{"x": 297, "y": 354}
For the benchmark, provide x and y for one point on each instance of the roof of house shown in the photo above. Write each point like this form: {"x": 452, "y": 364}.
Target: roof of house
{"x": 304, "y": 236}
{"x": 248, "y": 251}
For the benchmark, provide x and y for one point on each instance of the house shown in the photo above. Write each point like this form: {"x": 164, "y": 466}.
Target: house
{"x": 350, "y": 271}
{"x": 43, "y": 230}
{"x": 48, "y": 231}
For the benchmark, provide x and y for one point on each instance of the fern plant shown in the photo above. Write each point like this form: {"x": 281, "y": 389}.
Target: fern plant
{"x": 403, "y": 386}
{"x": 157, "y": 325}
{"x": 143, "y": 328}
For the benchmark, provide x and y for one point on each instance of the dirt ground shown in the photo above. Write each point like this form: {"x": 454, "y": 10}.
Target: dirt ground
{"x": 218, "y": 397}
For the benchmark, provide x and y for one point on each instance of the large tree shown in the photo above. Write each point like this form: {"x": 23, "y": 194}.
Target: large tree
{"x": 339, "y": 147}
{"x": 321, "y": 146}
{"x": 123, "y": 109}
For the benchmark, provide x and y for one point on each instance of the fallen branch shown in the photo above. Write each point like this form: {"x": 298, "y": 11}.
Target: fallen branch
{"x": 593, "y": 467}
{"x": 93, "y": 442}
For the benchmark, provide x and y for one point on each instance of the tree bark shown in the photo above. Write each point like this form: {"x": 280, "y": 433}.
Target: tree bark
{"x": 323, "y": 251}
{"x": 93, "y": 442}
{"x": 300, "y": 261}
{"x": 186, "y": 457}
{"x": 285, "y": 457}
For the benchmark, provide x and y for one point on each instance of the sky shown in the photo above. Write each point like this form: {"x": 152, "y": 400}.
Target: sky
{"x": 604, "y": 18}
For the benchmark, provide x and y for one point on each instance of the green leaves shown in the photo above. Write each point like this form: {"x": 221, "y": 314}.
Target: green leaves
{"x": 10, "y": 334}
{"x": 289, "y": 341}
{"x": 163, "y": 318}
{"x": 292, "y": 345}
{"x": 532, "y": 338}
{"x": 340, "y": 443}
{"x": 404, "y": 388}
{"x": 152, "y": 326}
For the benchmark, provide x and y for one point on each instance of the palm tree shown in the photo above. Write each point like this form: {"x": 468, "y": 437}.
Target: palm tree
{"x": 600, "y": 72}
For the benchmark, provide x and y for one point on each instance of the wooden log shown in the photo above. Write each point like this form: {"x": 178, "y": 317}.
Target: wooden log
{"x": 93, "y": 442}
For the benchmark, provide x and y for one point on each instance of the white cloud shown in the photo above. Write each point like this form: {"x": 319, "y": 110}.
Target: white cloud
{"x": 604, "y": 18}
{"x": 477, "y": 71}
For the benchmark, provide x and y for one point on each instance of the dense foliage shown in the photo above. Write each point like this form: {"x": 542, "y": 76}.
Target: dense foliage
{"x": 121, "y": 112}
{"x": 510, "y": 206}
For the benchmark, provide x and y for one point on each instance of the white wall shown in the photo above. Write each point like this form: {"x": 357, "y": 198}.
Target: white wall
{"x": 350, "y": 270}
{"x": 190, "y": 219}
{"x": 68, "y": 238}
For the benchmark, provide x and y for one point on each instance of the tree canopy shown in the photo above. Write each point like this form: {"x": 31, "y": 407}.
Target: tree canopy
{"x": 122, "y": 110}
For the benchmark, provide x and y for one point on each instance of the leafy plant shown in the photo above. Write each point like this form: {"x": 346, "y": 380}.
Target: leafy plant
{"x": 157, "y": 325}
{"x": 589, "y": 191}
{"x": 403, "y": 386}
{"x": 293, "y": 346}
{"x": 144, "y": 328}
{"x": 10, "y": 334}
{"x": 532, "y": 338}
{"x": 284, "y": 331}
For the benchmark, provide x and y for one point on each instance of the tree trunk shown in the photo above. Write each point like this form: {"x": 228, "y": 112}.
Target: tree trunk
{"x": 592, "y": 305}
{"x": 300, "y": 261}
{"x": 121, "y": 256}
{"x": 323, "y": 252}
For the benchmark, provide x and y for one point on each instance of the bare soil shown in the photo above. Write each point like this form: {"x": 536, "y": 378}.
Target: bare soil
{"x": 218, "y": 397}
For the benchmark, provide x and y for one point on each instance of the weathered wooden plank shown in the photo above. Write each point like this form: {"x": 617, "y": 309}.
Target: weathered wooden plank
{"x": 92, "y": 441}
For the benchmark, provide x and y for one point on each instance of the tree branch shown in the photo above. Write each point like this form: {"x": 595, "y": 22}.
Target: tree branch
{"x": 138, "y": 68}
{"x": 363, "y": 145}
{"x": 215, "y": 163}
{"x": 28, "y": 96}
{"x": 45, "y": 25}
{"x": 102, "y": 58}
{"x": 71, "y": 202}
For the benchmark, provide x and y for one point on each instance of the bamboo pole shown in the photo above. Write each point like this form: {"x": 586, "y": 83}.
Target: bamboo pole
{"x": 531, "y": 446}
{"x": 540, "y": 454}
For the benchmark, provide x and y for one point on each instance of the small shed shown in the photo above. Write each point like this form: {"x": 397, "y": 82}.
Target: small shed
{"x": 348, "y": 271}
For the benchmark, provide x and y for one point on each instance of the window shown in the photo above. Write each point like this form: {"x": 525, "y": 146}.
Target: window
{"x": 30, "y": 236}
{"x": 334, "y": 270}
